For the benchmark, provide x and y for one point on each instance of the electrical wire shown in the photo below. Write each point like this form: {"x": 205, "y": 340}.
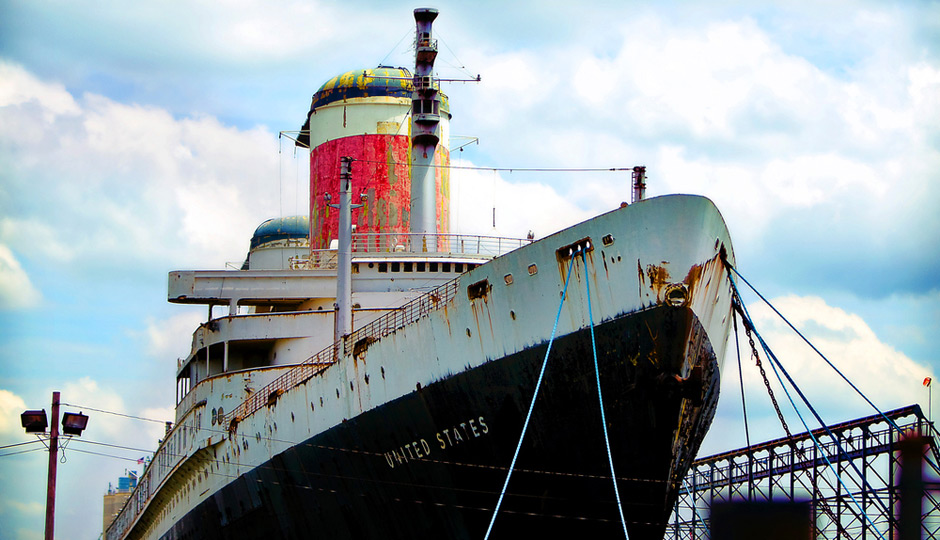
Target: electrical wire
{"x": 22, "y": 452}
{"x": 115, "y": 413}
{"x": 382, "y": 62}
{"x": 516, "y": 169}
{"x": 4, "y": 447}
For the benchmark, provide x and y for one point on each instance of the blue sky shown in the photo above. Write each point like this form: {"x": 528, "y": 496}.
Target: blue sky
{"x": 139, "y": 139}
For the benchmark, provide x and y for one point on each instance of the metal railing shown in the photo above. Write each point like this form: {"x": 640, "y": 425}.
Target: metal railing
{"x": 867, "y": 467}
{"x": 401, "y": 317}
{"x": 451, "y": 244}
{"x": 293, "y": 377}
{"x": 364, "y": 336}
{"x": 405, "y": 244}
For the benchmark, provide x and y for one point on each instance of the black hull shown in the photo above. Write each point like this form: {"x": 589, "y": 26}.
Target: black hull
{"x": 432, "y": 463}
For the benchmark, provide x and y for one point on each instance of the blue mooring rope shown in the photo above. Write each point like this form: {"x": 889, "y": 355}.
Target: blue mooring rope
{"x": 535, "y": 394}
{"x": 774, "y": 363}
{"x": 821, "y": 355}
{"x": 600, "y": 398}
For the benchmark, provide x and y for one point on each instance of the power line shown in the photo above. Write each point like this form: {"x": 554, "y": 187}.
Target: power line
{"x": 115, "y": 413}
{"x": 23, "y": 452}
{"x": 114, "y": 446}
{"x": 102, "y": 454}
{"x": 512, "y": 169}
{"x": 4, "y": 447}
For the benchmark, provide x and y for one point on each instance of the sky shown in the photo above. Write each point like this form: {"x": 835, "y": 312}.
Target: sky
{"x": 140, "y": 138}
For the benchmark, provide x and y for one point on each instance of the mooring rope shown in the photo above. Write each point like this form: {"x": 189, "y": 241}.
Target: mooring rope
{"x": 747, "y": 434}
{"x": 775, "y": 363}
{"x": 535, "y": 395}
{"x": 817, "y": 351}
{"x": 600, "y": 397}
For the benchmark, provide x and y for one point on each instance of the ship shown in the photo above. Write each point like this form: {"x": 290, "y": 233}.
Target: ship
{"x": 373, "y": 375}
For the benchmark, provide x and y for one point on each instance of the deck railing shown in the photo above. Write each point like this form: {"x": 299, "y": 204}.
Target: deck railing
{"x": 364, "y": 336}
{"x": 425, "y": 245}
{"x": 401, "y": 317}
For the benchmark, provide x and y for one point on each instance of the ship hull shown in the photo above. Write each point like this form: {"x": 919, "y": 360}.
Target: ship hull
{"x": 433, "y": 462}
{"x": 413, "y": 428}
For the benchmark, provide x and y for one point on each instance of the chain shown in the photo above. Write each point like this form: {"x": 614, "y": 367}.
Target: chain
{"x": 760, "y": 366}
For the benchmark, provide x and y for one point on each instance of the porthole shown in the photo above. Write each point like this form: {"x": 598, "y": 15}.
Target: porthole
{"x": 533, "y": 269}
{"x": 508, "y": 279}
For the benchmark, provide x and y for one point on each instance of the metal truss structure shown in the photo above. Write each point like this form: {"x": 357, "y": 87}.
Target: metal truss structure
{"x": 852, "y": 493}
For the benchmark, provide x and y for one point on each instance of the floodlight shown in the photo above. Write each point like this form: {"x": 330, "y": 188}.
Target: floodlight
{"x": 74, "y": 423}
{"x": 34, "y": 421}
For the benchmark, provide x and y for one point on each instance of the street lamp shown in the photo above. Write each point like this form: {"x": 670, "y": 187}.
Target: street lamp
{"x": 36, "y": 422}
{"x": 74, "y": 423}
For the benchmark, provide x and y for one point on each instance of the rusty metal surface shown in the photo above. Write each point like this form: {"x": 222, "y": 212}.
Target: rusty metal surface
{"x": 464, "y": 332}
{"x": 380, "y": 171}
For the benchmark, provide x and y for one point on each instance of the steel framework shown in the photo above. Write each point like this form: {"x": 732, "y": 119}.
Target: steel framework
{"x": 853, "y": 493}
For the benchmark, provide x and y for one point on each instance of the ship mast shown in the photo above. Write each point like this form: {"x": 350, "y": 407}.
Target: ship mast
{"x": 342, "y": 323}
{"x": 639, "y": 184}
{"x": 425, "y": 131}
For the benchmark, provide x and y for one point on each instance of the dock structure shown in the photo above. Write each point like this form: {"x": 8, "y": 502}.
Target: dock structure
{"x": 859, "y": 480}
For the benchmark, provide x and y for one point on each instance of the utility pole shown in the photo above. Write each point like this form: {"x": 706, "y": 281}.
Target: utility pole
{"x": 35, "y": 421}
{"x": 53, "y": 460}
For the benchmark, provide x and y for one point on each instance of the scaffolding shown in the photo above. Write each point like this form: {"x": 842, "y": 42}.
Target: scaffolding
{"x": 853, "y": 493}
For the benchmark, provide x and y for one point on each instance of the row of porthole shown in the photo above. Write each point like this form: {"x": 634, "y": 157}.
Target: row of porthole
{"x": 533, "y": 269}
{"x": 419, "y": 266}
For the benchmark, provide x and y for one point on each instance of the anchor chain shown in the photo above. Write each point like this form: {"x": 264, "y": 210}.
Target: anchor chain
{"x": 760, "y": 365}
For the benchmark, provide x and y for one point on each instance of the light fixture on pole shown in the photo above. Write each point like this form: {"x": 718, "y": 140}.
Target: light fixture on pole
{"x": 35, "y": 421}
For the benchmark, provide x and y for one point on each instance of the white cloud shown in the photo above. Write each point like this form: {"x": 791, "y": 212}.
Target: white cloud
{"x": 18, "y": 86}
{"x": 167, "y": 339}
{"x": 885, "y": 375}
{"x": 520, "y": 206}
{"x": 16, "y": 289}
{"x": 749, "y": 112}
{"x": 112, "y": 184}
{"x": 11, "y": 405}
